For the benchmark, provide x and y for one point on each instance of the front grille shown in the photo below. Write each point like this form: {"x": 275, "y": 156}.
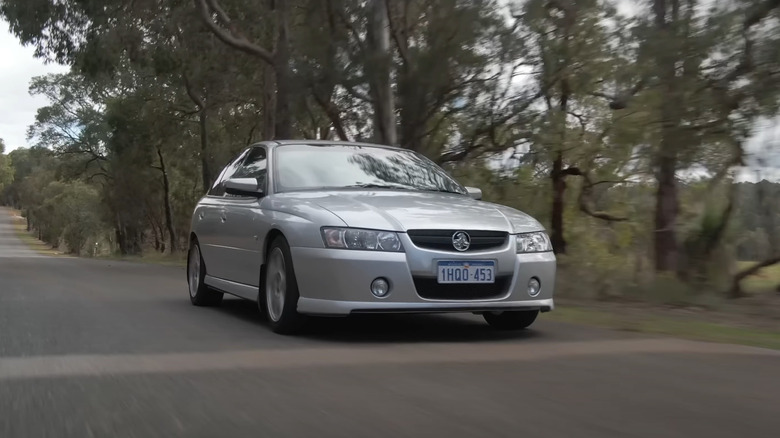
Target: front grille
{"x": 429, "y": 288}
{"x": 441, "y": 240}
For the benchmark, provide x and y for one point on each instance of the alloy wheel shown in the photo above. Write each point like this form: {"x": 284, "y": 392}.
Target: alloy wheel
{"x": 194, "y": 270}
{"x": 276, "y": 284}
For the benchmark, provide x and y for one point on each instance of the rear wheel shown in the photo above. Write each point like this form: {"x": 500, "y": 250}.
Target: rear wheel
{"x": 200, "y": 294}
{"x": 511, "y": 320}
{"x": 279, "y": 295}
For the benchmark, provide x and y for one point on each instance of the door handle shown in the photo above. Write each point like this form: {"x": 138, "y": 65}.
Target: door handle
{"x": 223, "y": 218}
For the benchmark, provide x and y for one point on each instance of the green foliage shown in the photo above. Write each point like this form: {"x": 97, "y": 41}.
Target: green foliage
{"x": 6, "y": 168}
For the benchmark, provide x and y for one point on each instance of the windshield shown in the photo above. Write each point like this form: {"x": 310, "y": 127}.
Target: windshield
{"x": 301, "y": 167}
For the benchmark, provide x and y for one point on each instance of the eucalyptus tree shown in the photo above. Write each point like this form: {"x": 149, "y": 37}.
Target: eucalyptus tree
{"x": 570, "y": 50}
{"x": 705, "y": 72}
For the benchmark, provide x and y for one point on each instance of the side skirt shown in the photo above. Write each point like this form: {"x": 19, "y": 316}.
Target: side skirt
{"x": 231, "y": 287}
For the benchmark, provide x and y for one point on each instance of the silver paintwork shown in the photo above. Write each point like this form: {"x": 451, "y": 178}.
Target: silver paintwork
{"x": 234, "y": 232}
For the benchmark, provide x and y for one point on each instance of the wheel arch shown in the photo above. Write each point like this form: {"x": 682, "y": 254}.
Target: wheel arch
{"x": 272, "y": 234}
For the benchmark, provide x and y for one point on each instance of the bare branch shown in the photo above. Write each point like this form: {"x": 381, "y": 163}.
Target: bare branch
{"x": 403, "y": 50}
{"x": 233, "y": 36}
{"x": 191, "y": 93}
{"x": 333, "y": 114}
{"x": 585, "y": 195}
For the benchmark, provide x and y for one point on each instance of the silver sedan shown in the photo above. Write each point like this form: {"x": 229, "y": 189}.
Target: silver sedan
{"x": 322, "y": 228}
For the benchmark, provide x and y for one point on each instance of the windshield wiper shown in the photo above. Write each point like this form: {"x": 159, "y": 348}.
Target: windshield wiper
{"x": 433, "y": 189}
{"x": 380, "y": 186}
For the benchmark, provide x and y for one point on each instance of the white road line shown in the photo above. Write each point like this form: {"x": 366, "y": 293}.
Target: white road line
{"x": 127, "y": 364}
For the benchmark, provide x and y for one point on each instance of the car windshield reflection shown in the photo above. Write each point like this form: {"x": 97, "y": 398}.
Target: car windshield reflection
{"x": 307, "y": 167}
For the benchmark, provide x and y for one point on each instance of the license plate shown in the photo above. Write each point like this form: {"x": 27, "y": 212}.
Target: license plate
{"x": 467, "y": 272}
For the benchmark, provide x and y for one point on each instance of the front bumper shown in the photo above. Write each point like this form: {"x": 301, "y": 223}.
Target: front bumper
{"x": 337, "y": 282}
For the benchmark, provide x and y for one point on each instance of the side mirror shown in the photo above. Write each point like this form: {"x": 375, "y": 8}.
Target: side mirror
{"x": 243, "y": 187}
{"x": 474, "y": 193}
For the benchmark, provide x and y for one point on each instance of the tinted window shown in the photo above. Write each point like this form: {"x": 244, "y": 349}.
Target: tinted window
{"x": 301, "y": 167}
{"x": 218, "y": 189}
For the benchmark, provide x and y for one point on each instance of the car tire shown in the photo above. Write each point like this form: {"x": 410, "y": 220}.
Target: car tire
{"x": 279, "y": 292}
{"x": 200, "y": 294}
{"x": 511, "y": 320}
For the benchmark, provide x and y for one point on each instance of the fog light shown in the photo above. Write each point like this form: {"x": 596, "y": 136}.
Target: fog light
{"x": 380, "y": 287}
{"x": 534, "y": 287}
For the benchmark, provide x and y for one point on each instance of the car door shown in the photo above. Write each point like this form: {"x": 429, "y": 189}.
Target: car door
{"x": 245, "y": 222}
{"x": 213, "y": 229}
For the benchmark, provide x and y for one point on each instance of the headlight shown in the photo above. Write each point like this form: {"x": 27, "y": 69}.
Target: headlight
{"x": 533, "y": 242}
{"x": 368, "y": 240}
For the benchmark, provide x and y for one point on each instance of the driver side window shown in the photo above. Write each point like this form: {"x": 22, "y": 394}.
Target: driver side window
{"x": 218, "y": 189}
{"x": 254, "y": 166}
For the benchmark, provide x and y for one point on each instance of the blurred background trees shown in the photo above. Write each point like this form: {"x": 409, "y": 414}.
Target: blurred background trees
{"x": 622, "y": 125}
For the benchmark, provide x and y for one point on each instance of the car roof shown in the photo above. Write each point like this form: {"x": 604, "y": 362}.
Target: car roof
{"x": 326, "y": 143}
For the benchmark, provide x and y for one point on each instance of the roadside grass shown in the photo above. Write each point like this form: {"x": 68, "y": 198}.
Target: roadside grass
{"x": 20, "y": 228}
{"x": 150, "y": 257}
{"x": 686, "y": 327}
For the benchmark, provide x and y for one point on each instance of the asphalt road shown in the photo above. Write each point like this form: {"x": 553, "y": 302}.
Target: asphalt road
{"x": 93, "y": 348}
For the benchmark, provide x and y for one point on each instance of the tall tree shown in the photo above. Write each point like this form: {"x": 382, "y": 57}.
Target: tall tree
{"x": 233, "y": 33}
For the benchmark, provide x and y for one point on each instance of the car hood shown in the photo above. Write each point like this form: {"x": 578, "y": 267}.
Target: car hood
{"x": 402, "y": 211}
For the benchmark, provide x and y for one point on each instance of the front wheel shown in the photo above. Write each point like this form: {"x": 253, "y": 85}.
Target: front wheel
{"x": 279, "y": 296}
{"x": 200, "y": 294}
{"x": 511, "y": 320}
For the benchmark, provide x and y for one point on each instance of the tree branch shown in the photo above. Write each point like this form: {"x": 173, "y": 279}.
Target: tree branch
{"x": 333, "y": 114}
{"x": 403, "y": 50}
{"x": 232, "y": 37}
{"x": 585, "y": 195}
{"x": 621, "y": 101}
{"x": 191, "y": 93}
{"x": 745, "y": 65}
{"x": 736, "y": 288}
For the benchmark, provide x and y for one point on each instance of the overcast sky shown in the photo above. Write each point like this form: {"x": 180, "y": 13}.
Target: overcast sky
{"x": 17, "y": 107}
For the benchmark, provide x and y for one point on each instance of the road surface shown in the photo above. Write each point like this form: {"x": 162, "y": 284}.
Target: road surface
{"x": 92, "y": 348}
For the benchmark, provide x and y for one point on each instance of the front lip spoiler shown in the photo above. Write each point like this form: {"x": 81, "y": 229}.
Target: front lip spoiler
{"x": 464, "y": 309}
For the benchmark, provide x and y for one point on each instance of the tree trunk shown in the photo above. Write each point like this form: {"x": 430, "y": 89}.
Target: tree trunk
{"x": 120, "y": 235}
{"x": 204, "y": 149}
{"x": 559, "y": 176}
{"x": 380, "y": 72}
{"x": 666, "y": 208}
{"x": 167, "y": 202}
{"x": 27, "y": 216}
{"x": 269, "y": 102}
{"x": 559, "y": 188}
{"x": 200, "y": 103}
{"x": 156, "y": 237}
{"x": 283, "y": 125}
